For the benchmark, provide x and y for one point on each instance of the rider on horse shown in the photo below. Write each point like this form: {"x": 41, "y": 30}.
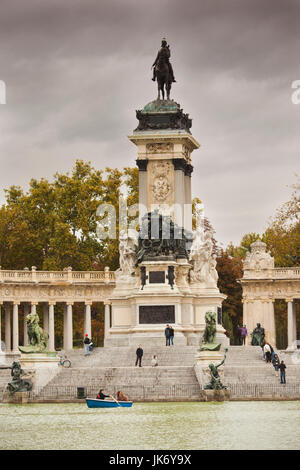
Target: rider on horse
{"x": 162, "y": 58}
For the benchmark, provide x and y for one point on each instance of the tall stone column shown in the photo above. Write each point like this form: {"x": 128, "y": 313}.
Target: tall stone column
{"x": 188, "y": 213}
{"x": 51, "y": 343}
{"x": 25, "y": 330}
{"x": 106, "y": 319}
{"x": 88, "y": 320}
{"x": 291, "y": 324}
{"x": 15, "y": 335}
{"x": 69, "y": 327}
{"x": 1, "y": 304}
{"x": 65, "y": 327}
{"x": 142, "y": 165}
{"x": 46, "y": 317}
{"x": 179, "y": 195}
{"x": 7, "y": 327}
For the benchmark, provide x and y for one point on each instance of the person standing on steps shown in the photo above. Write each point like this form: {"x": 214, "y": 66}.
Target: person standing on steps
{"x": 171, "y": 335}
{"x": 139, "y": 355}
{"x": 243, "y": 335}
{"x": 282, "y": 368}
{"x": 167, "y": 335}
{"x": 276, "y": 363}
{"x": 86, "y": 343}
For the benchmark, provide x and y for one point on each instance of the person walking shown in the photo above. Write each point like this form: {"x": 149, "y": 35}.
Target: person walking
{"x": 139, "y": 355}
{"x": 167, "y": 335}
{"x": 171, "y": 335}
{"x": 86, "y": 343}
{"x": 276, "y": 363}
{"x": 267, "y": 352}
{"x": 282, "y": 368}
{"x": 243, "y": 334}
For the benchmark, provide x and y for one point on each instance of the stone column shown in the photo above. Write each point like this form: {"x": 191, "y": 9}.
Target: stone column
{"x": 15, "y": 335}
{"x": 33, "y": 307}
{"x": 7, "y": 328}
{"x": 291, "y": 325}
{"x": 88, "y": 320}
{"x": 188, "y": 215}
{"x": 69, "y": 327}
{"x": 106, "y": 319}
{"x": 25, "y": 332}
{"x": 65, "y": 327}
{"x": 179, "y": 195}
{"x": 1, "y": 304}
{"x": 46, "y": 317}
{"x": 143, "y": 200}
{"x": 51, "y": 343}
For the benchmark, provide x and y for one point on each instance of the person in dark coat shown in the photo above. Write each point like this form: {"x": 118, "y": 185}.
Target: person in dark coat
{"x": 101, "y": 395}
{"x": 167, "y": 335}
{"x": 171, "y": 335}
{"x": 139, "y": 355}
{"x": 282, "y": 368}
{"x": 86, "y": 343}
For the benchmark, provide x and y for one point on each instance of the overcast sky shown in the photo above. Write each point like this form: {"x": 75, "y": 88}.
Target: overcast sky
{"x": 76, "y": 71}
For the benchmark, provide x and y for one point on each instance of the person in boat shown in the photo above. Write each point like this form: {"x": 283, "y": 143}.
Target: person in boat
{"x": 121, "y": 396}
{"x": 101, "y": 395}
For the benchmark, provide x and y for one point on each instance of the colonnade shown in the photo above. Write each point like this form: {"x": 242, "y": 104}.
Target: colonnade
{"x": 9, "y": 311}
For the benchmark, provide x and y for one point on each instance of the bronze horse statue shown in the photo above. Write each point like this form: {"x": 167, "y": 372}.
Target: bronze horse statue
{"x": 163, "y": 71}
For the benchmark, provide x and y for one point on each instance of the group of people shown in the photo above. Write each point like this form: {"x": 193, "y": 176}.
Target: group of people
{"x": 169, "y": 334}
{"x": 270, "y": 356}
{"x": 120, "y": 396}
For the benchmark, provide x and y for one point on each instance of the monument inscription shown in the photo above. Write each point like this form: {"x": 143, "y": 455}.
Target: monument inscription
{"x": 156, "y": 314}
{"x": 157, "y": 277}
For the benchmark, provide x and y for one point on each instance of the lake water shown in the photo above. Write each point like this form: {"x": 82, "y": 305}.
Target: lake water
{"x": 229, "y": 425}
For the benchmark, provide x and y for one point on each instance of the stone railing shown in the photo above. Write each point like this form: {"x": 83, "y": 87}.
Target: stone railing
{"x": 68, "y": 275}
{"x": 274, "y": 273}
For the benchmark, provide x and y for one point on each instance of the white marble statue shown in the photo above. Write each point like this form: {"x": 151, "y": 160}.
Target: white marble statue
{"x": 127, "y": 250}
{"x": 203, "y": 260}
{"x": 258, "y": 258}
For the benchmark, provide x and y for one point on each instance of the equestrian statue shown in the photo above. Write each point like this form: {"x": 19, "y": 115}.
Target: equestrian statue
{"x": 163, "y": 70}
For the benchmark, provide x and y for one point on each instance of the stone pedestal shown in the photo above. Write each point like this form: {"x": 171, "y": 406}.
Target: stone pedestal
{"x": 43, "y": 367}
{"x": 17, "y": 398}
{"x": 216, "y": 395}
{"x": 203, "y": 359}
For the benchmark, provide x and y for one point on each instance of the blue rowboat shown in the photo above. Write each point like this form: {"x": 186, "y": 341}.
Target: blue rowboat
{"x": 96, "y": 403}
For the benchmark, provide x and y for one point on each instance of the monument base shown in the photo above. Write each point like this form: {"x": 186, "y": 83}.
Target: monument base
{"x": 42, "y": 366}
{"x": 17, "y": 398}
{"x": 216, "y": 395}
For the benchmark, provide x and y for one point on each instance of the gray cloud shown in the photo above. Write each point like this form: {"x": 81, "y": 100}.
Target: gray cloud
{"x": 76, "y": 71}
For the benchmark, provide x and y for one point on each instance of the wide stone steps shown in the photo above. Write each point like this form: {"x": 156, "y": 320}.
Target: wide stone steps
{"x": 126, "y": 356}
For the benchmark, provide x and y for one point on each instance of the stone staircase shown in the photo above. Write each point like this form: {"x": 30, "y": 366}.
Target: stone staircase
{"x": 244, "y": 365}
{"x": 114, "y": 368}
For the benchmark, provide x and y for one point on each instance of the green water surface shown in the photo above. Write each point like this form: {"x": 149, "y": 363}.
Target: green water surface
{"x": 229, "y": 425}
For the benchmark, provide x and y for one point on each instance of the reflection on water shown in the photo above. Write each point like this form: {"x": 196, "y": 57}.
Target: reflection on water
{"x": 229, "y": 425}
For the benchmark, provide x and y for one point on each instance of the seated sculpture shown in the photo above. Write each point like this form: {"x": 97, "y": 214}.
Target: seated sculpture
{"x": 38, "y": 338}
{"x": 258, "y": 335}
{"x": 209, "y": 336}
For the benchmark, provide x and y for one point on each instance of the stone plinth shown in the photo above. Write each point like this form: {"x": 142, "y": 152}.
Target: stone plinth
{"x": 43, "y": 367}
{"x": 17, "y": 398}
{"x": 216, "y": 395}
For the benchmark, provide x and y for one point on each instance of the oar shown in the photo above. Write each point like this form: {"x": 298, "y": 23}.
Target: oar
{"x": 115, "y": 401}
